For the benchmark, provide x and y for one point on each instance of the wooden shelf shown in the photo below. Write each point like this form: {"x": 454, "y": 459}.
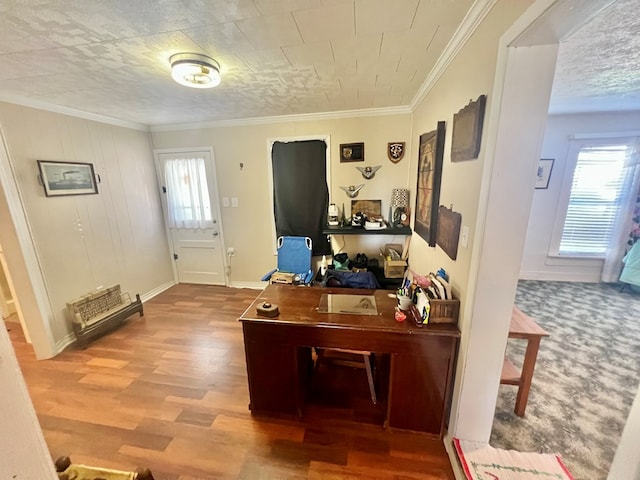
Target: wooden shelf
{"x": 510, "y": 374}
{"x": 349, "y": 230}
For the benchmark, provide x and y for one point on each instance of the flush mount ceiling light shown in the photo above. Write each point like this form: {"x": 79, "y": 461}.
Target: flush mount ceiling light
{"x": 195, "y": 70}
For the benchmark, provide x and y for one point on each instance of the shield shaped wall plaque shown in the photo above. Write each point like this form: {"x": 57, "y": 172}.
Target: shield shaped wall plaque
{"x": 395, "y": 151}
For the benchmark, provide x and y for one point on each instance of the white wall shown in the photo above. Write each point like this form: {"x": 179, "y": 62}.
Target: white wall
{"x": 248, "y": 228}
{"x": 86, "y": 241}
{"x": 23, "y": 451}
{"x": 469, "y": 75}
{"x": 536, "y": 263}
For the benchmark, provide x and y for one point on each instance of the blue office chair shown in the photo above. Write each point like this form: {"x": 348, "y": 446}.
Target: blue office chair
{"x": 294, "y": 256}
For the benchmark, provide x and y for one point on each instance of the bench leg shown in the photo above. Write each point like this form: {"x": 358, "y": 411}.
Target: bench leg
{"x": 528, "y": 366}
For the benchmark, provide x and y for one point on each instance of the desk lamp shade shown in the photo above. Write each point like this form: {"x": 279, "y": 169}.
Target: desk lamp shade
{"x": 400, "y": 197}
{"x": 399, "y": 208}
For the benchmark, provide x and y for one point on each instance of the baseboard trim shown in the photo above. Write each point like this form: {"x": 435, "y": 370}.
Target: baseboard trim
{"x": 453, "y": 457}
{"x": 253, "y": 285}
{"x": 157, "y": 291}
{"x": 64, "y": 342}
{"x": 586, "y": 277}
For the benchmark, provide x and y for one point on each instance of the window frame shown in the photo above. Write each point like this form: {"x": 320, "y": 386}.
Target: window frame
{"x": 576, "y": 144}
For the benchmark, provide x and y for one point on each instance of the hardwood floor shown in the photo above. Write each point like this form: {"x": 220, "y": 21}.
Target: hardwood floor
{"x": 169, "y": 392}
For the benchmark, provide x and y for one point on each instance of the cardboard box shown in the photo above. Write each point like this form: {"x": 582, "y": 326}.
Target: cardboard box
{"x": 393, "y": 268}
{"x": 283, "y": 278}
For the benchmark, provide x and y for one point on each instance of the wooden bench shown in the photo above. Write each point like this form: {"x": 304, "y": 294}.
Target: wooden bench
{"x": 97, "y": 312}
{"x": 524, "y": 327}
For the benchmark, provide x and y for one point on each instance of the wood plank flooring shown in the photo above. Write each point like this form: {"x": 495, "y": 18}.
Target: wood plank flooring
{"x": 169, "y": 392}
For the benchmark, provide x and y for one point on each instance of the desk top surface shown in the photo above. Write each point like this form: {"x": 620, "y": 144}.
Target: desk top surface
{"x": 299, "y": 306}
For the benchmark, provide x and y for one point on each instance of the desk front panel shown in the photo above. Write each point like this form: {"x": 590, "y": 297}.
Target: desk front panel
{"x": 277, "y": 352}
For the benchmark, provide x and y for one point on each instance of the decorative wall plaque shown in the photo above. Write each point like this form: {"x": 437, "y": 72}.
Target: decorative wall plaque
{"x": 467, "y": 130}
{"x": 448, "y": 233}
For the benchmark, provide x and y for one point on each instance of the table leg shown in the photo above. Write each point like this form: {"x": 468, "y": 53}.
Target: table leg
{"x": 528, "y": 366}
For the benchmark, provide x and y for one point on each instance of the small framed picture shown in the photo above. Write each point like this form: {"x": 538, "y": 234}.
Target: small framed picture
{"x": 67, "y": 178}
{"x": 352, "y": 152}
{"x": 543, "y": 173}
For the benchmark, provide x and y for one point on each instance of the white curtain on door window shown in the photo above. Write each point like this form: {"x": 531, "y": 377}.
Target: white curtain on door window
{"x": 188, "y": 201}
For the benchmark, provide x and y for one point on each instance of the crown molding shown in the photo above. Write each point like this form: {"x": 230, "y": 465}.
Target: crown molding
{"x": 303, "y": 117}
{"x": 476, "y": 14}
{"x": 25, "y": 102}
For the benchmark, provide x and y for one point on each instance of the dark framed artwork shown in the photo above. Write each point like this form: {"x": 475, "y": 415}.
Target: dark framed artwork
{"x": 448, "y": 234}
{"x": 543, "y": 174}
{"x": 352, "y": 152}
{"x": 67, "y": 178}
{"x": 467, "y": 130}
{"x": 430, "y": 155}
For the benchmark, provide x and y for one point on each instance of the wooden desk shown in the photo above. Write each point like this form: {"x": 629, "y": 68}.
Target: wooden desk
{"x": 278, "y": 355}
{"x": 522, "y": 326}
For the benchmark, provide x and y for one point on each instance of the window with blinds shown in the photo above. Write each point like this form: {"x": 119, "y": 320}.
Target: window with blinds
{"x": 597, "y": 195}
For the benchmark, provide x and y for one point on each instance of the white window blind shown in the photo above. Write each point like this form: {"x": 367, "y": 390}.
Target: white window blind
{"x": 188, "y": 201}
{"x": 597, "y": 195}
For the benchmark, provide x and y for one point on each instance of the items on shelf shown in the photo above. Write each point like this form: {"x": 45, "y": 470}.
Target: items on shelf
{"x": 399, "y": 209}
{"x": 432, "y": 298}
{"x": 332, "y": 215}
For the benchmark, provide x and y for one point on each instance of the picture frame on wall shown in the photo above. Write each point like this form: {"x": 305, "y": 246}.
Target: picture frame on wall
{"x": 67, "y": 178}
{"x": 543, "y": 174}
{"x": 352, "y": 152}
{"x": 448, "y": 233}
{"x": 430, "y": 159}
{"x": 467, "y": 130}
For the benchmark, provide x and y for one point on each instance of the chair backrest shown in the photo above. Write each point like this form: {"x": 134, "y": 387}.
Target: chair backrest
{"x": 294, "y": 254}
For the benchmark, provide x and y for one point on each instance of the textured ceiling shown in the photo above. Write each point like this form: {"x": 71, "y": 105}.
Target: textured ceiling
{"x": 598, "y": 66}
{"x": 278, "y": 57}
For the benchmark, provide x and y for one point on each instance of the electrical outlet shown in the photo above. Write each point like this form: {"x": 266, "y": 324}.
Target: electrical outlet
{"x": 234, "y": 201}
{"x": 231, "y": 251}
{"x": 225, "y": 201}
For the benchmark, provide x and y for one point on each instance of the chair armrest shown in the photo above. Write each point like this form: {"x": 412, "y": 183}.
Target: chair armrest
{"x": 308, "y": 277}
{"x": 267, "y": 276}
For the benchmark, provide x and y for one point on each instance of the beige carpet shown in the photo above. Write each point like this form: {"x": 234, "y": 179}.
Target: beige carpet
{"x": 480, "y": 461}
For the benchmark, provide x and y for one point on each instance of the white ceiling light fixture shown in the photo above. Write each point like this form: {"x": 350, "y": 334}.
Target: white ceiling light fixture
{"x": 195, "y": 70}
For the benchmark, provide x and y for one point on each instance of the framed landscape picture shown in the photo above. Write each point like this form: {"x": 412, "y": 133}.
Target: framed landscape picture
{"x": 67, "y": 178}
{"x": 543, "y": 174}
{"x": 430, "y": 157}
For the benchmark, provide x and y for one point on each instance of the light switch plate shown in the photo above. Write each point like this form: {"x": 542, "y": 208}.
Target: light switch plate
{"x": 464, "y": 236}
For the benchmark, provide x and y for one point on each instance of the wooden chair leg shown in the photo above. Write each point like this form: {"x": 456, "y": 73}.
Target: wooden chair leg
{"x": 372, "y": 388}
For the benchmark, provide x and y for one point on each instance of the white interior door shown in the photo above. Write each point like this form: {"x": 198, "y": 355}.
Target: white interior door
{"x": 187, "y": 180}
